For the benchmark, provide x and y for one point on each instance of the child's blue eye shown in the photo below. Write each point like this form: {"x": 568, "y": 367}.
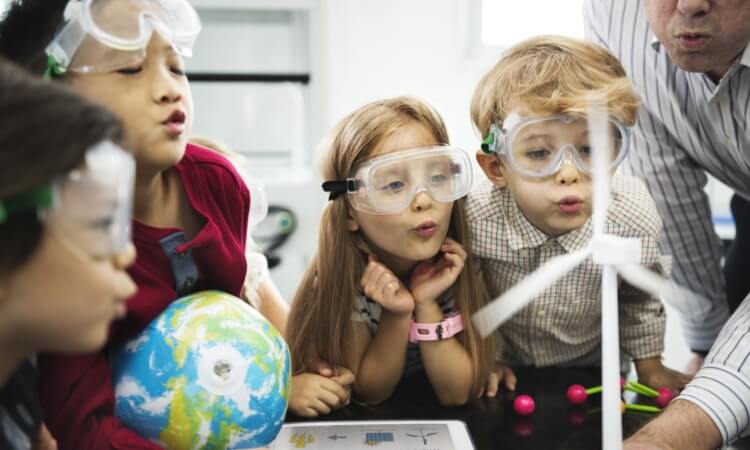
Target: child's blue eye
{"x": 438, "y": 179}
{"x": 394, "y": 186}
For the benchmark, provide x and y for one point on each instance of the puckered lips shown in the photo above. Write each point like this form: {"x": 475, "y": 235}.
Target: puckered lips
{"x": 570, "y": 204}
{"x": 174, "y": 124}
{"x": 426, "y": 229}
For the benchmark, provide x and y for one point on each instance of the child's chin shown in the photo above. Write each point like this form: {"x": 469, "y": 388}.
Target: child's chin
{"x": 426, "y": 254}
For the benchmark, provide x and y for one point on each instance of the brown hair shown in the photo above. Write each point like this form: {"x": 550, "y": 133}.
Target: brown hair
{"x": 552, "y": 75}
{"x": 45, "y": 132}
{"x": 320, "y": 326}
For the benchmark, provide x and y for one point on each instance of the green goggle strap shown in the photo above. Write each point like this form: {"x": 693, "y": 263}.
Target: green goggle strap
{"x": 53, "y": 68}
{"x": 488, "y": 143}
{"x": 38, "y": 198}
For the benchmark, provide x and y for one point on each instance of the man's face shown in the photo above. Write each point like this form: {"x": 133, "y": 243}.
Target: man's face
{"x": 701, "y": 35}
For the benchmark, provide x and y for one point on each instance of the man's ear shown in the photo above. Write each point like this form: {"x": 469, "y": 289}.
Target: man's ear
{"x": 351, "y": 221}
{"x": 492, "y": 167}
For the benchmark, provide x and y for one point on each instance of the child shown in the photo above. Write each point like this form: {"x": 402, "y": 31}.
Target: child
{"x": 260, "y": 292}
{"x": 190, "y": 207}
{"x": 532, "y": 108}
{"x": 259, "y": 289}
{"x": 64, "y": 216}
{"x": 390, "y": 261}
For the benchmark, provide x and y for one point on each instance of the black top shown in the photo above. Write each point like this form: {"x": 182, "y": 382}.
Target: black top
{"x": 20, "y": 414}
{"x": 492, "y": 422}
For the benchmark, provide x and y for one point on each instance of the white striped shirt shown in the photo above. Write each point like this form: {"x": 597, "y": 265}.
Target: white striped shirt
{"x": 688, "y": 125}
{"x": 722, "y": 387}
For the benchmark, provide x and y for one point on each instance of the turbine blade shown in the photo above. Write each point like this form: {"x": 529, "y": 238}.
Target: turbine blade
{"x": 502, "y": 308}
{"x": 687, "y": 302}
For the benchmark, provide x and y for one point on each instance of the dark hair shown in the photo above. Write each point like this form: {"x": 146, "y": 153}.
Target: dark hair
{"x": 45, "y": 131}
{"x": 27, "y": 29}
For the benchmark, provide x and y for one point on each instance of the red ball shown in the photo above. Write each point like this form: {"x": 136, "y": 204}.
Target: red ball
{"x": 665, "y": 396}
{"x": 577, "y": 394}
{"x": 524, "y": 405}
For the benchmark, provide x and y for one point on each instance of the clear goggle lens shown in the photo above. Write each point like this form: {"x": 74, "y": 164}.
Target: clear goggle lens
{"x": 92, "y": 205}
{"x": 538, "y": 147}
{"x": 103, "y": 35}
{"x": 388, "y": 184}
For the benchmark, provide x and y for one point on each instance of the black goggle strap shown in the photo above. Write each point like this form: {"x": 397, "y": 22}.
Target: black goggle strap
{"x": 339, "y": 187}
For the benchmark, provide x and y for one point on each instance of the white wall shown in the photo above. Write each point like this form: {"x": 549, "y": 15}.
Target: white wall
{"x": 370, "y": 50}
{"x": 392, "y": 47}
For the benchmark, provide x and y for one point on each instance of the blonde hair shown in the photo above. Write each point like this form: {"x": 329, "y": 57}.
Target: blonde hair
{"x": 552, "y": 75}
{"x": 320, "y": 326}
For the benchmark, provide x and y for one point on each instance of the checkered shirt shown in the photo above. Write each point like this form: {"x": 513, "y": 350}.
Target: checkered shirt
{"x": 563, "y": 324}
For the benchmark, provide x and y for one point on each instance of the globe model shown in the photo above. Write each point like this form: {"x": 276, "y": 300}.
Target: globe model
{"x": 209, "y": 373}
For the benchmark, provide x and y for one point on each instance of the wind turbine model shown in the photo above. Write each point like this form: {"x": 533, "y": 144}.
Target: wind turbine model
{"x": 615, "y": 255}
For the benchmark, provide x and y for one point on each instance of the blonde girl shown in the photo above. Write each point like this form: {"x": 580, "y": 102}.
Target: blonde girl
{"x": 393, "y": 262}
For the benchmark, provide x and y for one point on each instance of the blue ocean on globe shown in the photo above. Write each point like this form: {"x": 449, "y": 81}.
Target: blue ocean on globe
{"x": 209, "y": 373}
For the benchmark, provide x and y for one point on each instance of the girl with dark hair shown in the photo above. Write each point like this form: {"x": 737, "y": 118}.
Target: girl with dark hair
{"x": 191, "y": 207}
{"x": 65, "y": 188}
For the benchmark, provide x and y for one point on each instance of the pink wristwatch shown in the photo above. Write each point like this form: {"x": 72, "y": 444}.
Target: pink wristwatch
{"x": 449, "y": 327}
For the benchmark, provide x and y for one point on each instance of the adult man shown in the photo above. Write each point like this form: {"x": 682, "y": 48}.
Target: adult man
{"x": 690, "y": 61}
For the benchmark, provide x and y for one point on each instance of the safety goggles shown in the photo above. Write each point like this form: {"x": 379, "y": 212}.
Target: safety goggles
{"x": 105, "y": 35}
{"x": 388, "y": 184}
{"x": 91, "y": 207}
{"x": 538, "y": 147}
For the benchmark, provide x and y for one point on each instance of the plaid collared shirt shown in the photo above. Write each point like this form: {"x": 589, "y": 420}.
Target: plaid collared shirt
{"x": 563, "y": 324}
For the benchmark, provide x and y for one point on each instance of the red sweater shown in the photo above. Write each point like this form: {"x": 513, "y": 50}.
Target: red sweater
{"x": 76, "y": 391}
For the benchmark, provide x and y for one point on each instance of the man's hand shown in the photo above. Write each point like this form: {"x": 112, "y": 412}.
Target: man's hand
{"x": 683, "y": 425}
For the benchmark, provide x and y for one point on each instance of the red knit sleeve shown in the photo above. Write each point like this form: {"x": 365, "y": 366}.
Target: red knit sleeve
{"x": 78, "y": 403}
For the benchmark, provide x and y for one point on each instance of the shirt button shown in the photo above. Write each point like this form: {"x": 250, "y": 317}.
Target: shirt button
{"x": 181, "y": 255}
{"x": 189, "y": 281}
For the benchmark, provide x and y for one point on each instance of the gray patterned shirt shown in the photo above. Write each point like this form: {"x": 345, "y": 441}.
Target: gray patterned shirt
{"x": 563, "y": 324}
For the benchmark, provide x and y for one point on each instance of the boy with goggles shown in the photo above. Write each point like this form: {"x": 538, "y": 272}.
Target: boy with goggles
{"x": 537, "y": 147}
{"x": 387, "y": 184}
{"x": 65, "y": 211}
{"x": 537, "y": 205}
